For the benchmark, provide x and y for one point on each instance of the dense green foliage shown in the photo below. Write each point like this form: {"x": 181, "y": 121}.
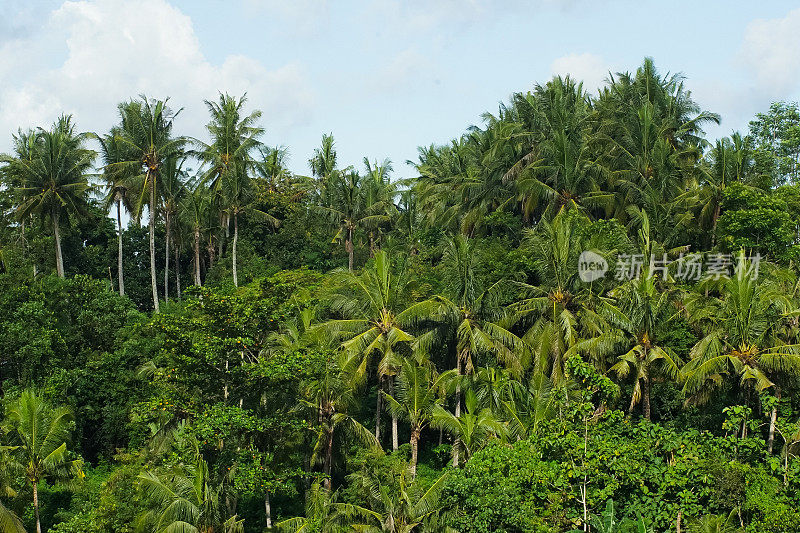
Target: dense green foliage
{"x": 256, "y": 349}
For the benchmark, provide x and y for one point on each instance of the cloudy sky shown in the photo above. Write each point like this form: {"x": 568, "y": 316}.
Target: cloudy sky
{"x": 385, "y": 76}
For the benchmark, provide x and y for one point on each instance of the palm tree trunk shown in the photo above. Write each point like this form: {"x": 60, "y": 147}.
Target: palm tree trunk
{"x": 152, "y": 229}
{"x": 197, "y": 256}
{"x": 414, "y": 451}
{"x": 458, "y": 406}
{"x": 268, "y": 510}
{"x": 36, "y": 507}
{"x": 348, "y": 244}
{"x": 328, "y": 457}
{"x": 211, "y": 254}
{"x": 177, "y": 271}
{"x": 378, "y": 409}
{"x": 646, "y": 397}
{"x": 773, "y": 417}
{"x": 57, "y": 235}
{"x": 235, "y": 241}
{"x": 166, "y": 256}
{"x": 395, "y": 442}
{"x": 119, "y": 246}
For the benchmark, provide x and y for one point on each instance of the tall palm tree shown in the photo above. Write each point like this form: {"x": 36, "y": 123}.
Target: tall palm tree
{"x": 235, "y": 138}
{"x": 377, "y": 308}
{"x": 470, "y": 317}
{"x": 39, "y": 435}
{"x": 146, "y": 135}
{"x": 559, "y": 167}
{"x": 379, "y": 194}
{"x": 117, "y": 186}
{"x": 53, "y": 176}
{"x": 323, "y": 165}
{"x": 472, "y": 430}
{"x": 331, "y": 396}
{"x": 411, "y": 508}
{"x": 418, "y": 389}
{"x": 346, "y": 208}
{"x": 173, "y": 189}
{"x": 741, "y": 338}
{"x": 184, "y": 498}
{"x": 324, "y": 513}
{"x": 194, "y": 210}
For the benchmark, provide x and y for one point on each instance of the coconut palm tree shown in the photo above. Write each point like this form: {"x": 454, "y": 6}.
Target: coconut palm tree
{"x": 741, "y": 326}
{"x": 117, "y": 187}
{"x": 52, "y": 174}
{"x": 472, "y": 430}
{"x": 323, "y": 513}
{"x": 146, "y": 135}
{"x": 330, "y": 396}
{"x": 235, "y": 138}
{"x": 410, "y": 508}
{"x": 9, "y": 522}
{"x": 559, "y": 168}
{"x": 173, "y": 189}
{"x": 377, "y": 308}
{"x": 194, "y": 211}
{"x": 418, "y": 389}
{"x": 38, "y": 434}
{"x": 184, "y": 498}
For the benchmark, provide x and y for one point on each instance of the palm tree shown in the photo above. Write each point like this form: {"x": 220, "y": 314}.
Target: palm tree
{"x": 559, "y": 312}
{"x": 323, "y": 165}
{"x": 323, "y": 514}
{"x": 472, "y": 430}
{"x": 377, "y": 307}
{"x": 39, "y": 434}
{"x": 741, "y": 339}
{"x": 53, "y": 176}
{"x": 643, "y": 312}
{"x": 184, "y": 498}
{"x": 146, "y": 135}
{"x": 230, "y": 157}
{"x": 116, "y": 184}
{"x": 471, "y": 317}
{"x": 173, "y": 189}
{"x": 272, "y": 166}
{"x": 194, "y": 211}
{"x": 410, "y": 508}
{"x": 559, "y": 167}
{"x": 379, "y": 194}
{"x": 9, "y": 522}
{"x": 418, "y": 389}
{"x": 331, "y": 396}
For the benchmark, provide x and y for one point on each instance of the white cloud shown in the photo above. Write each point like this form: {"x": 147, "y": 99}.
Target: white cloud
{"x": 771, "y": 50}
{"x": 591, "y": 69}
{"x": 113, "y": 50}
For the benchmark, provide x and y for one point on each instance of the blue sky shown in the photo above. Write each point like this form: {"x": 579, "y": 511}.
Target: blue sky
{"x": 384, "y": 76}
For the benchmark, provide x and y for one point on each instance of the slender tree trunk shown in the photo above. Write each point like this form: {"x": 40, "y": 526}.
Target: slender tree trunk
{"x": 211, "y": 254}
{"x": 349, "y": 247}
{"x": 678, "y": 522}
{"x": 197, "y": 256}
{"x": 328, "y": 458}
{"x": 177, "y": 271}
{"x": 773, "y": 417}
{"x": 268, "y": 510}
{"x": 235, "y": 241}
{"x": 59, "y": 257}
{"x": 646, "y": 397}
{"x": 152, "y": 229}
{"x": 378, "y": 409}
{"x": 715, "y": 218}
{"x": 395, "y": 442}
{"x": 119, "y": 246}
{"x": 36, "y": 506}
{"x": 415, "y": 432}
{"x": 166, "y": 256}
{"x": 458, "y": 406}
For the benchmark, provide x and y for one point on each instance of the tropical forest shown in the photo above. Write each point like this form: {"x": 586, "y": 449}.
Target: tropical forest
{"x": 581, "y": 314}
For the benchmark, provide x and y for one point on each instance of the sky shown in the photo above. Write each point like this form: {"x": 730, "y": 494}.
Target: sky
{"x": 384, "y": 76}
